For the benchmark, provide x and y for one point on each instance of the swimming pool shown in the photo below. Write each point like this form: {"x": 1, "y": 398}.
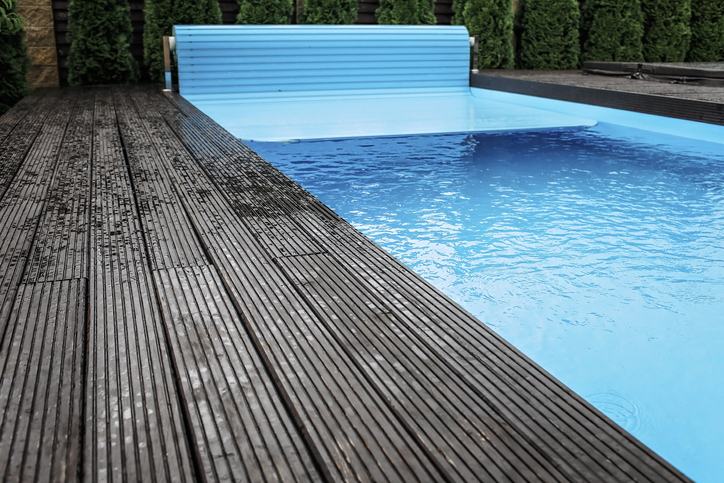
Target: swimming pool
{"x": 597, "y": 252}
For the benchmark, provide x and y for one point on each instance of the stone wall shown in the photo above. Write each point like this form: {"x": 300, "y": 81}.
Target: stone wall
{"x": 38, "y": 15}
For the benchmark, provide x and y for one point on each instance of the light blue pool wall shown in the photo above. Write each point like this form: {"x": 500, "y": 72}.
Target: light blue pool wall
{"x": 698, "y": 131}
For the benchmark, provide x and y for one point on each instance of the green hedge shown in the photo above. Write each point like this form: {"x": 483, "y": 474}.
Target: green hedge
{"x": 100, "y": 35}
{"x": 666, "y": 30}
{"x": 549, "y": 35}
{"x": 707, "y": 31}
{"x": 161, "y": 16}
{"x": 329, "y": 12}
{"x": 406, "y": 12}
{"x": 492, "y": 22}
{"x": 612, "y": 31}
{"x": 13, "y": 57}
{"x": 265, "y": 12}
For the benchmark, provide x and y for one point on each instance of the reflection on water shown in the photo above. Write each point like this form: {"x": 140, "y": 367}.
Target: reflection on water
{"x": 599, "y": 253}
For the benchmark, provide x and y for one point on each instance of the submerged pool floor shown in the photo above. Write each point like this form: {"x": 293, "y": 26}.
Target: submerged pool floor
{"x": 596, "y": 252}
{"x": 294, "y": 116}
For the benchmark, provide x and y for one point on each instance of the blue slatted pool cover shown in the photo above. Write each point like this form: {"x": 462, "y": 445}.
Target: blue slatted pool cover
{"x": 289, "y": 82}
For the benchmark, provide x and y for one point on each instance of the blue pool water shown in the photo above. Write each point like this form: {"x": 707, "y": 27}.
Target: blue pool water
{"x": 598, "y": 252}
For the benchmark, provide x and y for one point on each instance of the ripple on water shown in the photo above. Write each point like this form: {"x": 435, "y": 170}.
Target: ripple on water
{"x": 624, "y": 411}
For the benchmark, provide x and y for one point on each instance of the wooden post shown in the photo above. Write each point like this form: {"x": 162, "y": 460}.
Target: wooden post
{"x": 474, "y": 49}
{"x": 299, "y": 8}
{"x": 167, "y": 63}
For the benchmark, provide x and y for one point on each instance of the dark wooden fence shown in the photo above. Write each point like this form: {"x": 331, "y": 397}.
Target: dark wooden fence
{"x": 229, "y": 10}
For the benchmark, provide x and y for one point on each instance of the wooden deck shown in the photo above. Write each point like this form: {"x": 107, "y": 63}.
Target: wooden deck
{"x": 681, "y": 101}
{"x": 176, "y": 309}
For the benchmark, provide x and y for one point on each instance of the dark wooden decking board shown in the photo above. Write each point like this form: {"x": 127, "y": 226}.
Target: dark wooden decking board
{"x": 179, "y": 309}
{"x": 241, "y": 429}
{"x": 46, "y": 330}
{"x": 133, "y": 420}
{"x": 23, "y": 200}
{"x": 693, "y": 103}
{"x": 15, "y": 147}
{"x": 41, "y": 361}
{"x": 11, "y": 118}
{"x": 61, "y": 247}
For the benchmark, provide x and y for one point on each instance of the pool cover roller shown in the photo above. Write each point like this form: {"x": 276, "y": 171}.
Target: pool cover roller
{"x": 284, "y": 82}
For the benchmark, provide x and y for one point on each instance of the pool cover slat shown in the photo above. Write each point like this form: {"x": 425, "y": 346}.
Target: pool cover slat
{"x": 307, "y": 43}
{"x": 178, "y": 309}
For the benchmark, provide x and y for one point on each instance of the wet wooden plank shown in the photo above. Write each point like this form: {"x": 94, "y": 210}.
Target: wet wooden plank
{"x": 14, "y": 149}
{"x": 21, "y": 207}
{"x": 170, "y": 238}
{"x": 61, "y": 246}
{"x": 14, "y": 116}
{"x": 704, "y": 104}
{"x": 134, "y": 428}
{"x": 241, "y": 428}
{"x": 468, "y": 436}
{"x": 351, "y": 429}
{"x": 41, "y": 382}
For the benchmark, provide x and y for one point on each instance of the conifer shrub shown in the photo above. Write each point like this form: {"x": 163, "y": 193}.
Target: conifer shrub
{"x": 406, "y": 12}
{"x": 612, "y": 31}
{"x": 13, "y": 56}
{"x": 161, "y": 16}
{"x": 100, "y": 35}
{"x": 265, "y": 12}
{"x": 329, "y": 12}
{"x": 548, "y": 34}
{"x": 707, "y": 31}
{"x": 666, "y": 30}
{"x": 492, "y": 22}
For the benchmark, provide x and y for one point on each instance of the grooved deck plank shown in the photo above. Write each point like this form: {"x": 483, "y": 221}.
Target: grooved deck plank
{"x": 15, "y": 147}
{"x": 133, "y": 419}
{"x": 12, "y": 118}
{"x": 240, "y": 424}
{"x": 41, "y": 375}
{"x": 22, "y": 206}
{"x": 61, "y": 245}
{"x": 556, "y": 421}
{"x": 171, "y": 240}
{"x": 441, "y": 411}
{"x": 241, "y": 430}
{"x": 351, "y": 428}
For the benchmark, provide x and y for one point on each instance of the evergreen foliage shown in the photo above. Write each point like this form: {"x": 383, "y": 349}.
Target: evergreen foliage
{"x": 265, "y": 12}
{"x": 666, "y": 30}
{"x": 10, "y": 21}
{"x": 492, "y": 22}
{"x": 549, "y": 34}
{"x": 161, "y": 16}
{"x": 330, "y": 12}
{"x": 13, "y": 57}
{"x": 100, "y": 35}
{"x": 707, "y": 31}
{"x": 612, "y": 31}
{"x": 406, "y": 12}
